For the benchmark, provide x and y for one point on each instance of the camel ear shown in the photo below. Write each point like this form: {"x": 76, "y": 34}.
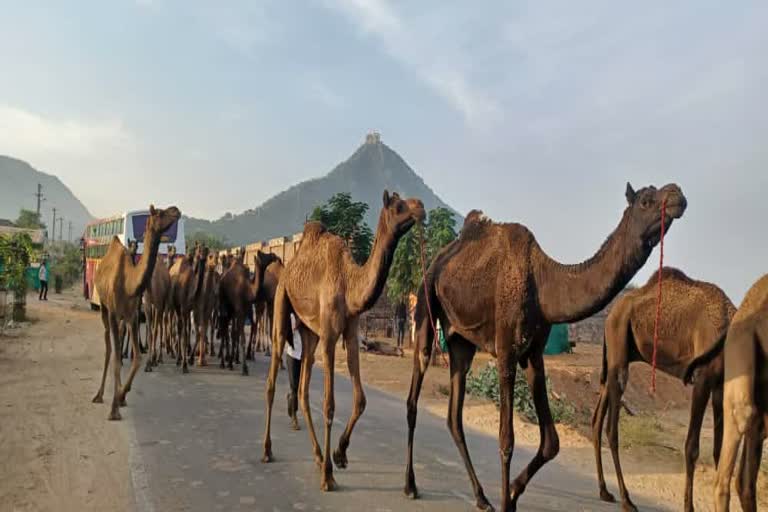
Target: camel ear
{"x": 386, "y": 198}
{"x": 152, "y": 209}
{"x": 630, "y": 193}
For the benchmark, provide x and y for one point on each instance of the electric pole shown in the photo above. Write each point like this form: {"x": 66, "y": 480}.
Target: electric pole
{"x": 69, "y": 238}
{"x": 40, "y": 199}
{"x": 61, "y": 227}
{"x": 53, "y": 226}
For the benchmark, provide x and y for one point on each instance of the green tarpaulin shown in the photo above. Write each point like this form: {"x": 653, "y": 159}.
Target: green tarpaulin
{"x": 558, "y": 343}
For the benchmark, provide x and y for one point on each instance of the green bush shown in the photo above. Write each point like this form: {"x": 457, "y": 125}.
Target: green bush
{"x": 66, "y": 262}
{"x": 486, "y": 385}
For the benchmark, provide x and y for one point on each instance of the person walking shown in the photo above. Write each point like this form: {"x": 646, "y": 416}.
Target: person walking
{"x": 293, "y": 365}
{"x": 43, "y": 276}
{"x": 400, "y": 315}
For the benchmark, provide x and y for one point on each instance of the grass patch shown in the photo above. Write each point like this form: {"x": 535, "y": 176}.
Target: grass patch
{"x": 638, "y": 431}
{"x": 485, "y": 384}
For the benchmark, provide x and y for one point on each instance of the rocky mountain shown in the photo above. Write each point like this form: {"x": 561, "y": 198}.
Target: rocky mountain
{"x": 18, "y": 184}
{"x": 373, "y": 168}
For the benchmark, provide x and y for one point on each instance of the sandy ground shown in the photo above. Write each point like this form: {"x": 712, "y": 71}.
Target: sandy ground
{"x": 57, "y": 451}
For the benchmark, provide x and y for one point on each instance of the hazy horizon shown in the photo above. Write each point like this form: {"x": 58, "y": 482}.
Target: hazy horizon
{"x": 533, "y": 113}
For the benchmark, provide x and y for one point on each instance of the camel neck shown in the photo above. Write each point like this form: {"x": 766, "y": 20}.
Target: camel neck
{"x": 139, "y": 275}
{"x": 367, "y": 281}
{"x": 569, "y": 293}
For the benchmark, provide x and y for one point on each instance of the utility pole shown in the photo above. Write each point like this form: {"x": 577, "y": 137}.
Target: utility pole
{"x": 53, "y": 226}
{"x": 61, "y": 227}
{"x": 40, "y": 199}
{"x": 69, "y": 238}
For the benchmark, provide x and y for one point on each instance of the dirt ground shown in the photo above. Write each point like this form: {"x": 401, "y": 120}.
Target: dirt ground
{"x": 652, "y": 441}
{"x": 57, "y": 451}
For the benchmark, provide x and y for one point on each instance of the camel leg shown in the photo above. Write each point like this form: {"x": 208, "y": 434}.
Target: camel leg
{"x": 421, "y": 357}
{"x": 358, "y": 395}
{"x": 136, "y": 363}
{"x": 461, "y": 353}
{"x": 506, "y": 364}
{"x": 117, "y": 363}
{"x": 746, "y": 479}
{"x": 99, "y": 398}
{"x": 212, "y": 338}
{"x": 184, "y": 342}
{"x": 278, "y": 343}
{"x": 549, "y": 443}
{"x": 179, "y": 337}
{"x": 309, "y": 344}
{"x": 202, "y": 343}
{"x": 328, "y": 343}
{"x": 616, "y": 384}
{"x": 150, "y": 338}
{"x": 598, "y": 420}
{"x": 701, "y": 392}
{"x": 717, "y": 417}
{"x": 240, "y": 322}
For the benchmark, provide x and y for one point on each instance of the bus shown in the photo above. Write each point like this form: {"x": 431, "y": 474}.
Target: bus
{"x": 126, "y": 227}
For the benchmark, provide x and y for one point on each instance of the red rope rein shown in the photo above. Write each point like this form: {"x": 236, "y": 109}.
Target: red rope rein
{"x": 435, "y": 341}
{"x": 658, "y": 298}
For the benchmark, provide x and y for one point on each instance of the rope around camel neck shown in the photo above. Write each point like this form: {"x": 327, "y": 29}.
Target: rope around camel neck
{"x": 658, "y": 299}
{"x": 435, "y": 341}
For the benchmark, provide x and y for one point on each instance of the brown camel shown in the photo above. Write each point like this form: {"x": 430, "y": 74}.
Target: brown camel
{"x": 495, "y": 289}
{"x": 328, "y": 292}
{"x": 745, "y": 400}
{"x": 186, "y": 284}
{"x": 158, "y": 296}
{"x": 120, "y": 284}
{"x": 204, "y": 307}
{"x": 695, "y": 317}
{"x": 237, "y": 293}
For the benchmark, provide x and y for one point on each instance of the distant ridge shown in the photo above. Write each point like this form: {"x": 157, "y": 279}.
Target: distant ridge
{"x": 18, "y": 183}
{"x": 373, "y": 167}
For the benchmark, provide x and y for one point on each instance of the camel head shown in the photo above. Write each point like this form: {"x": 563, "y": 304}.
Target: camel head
{"x": 400, "y": 215}
{"x": 210, "y": 262}
{"x": 644, "y": 210}
{"x": 161, "y": 219}
{"x": 263, "y": 259}
{"x": 133, "y": 247}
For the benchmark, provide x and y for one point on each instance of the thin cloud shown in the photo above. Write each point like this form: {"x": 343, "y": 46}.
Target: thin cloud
{"x": 323, "y": 94}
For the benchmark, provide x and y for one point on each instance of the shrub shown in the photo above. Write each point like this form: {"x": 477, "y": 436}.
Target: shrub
{"x": 486, "y": 385}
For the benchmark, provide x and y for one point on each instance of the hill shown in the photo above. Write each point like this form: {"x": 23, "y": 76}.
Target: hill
{"x": 371, "y": 169}
{"x": 18, "y": 184}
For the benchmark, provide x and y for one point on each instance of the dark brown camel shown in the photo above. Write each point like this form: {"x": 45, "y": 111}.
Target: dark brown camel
{"x": 745, "y": 400}
{"x": 120, "y": 284}
{"x": 237, "y": 293}
{"x": 494, "y": 288}
{"x": 186, "y": 284}
{"x": 328, "y": 291}
{"x": 695, "y": 317}
{"x": 157, "y": 299}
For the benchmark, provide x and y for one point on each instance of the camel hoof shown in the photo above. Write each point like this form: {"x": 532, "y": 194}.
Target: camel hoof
{"x": 606, "y": 496}
{"x": 295, "y": 425}
{"x": 115, "y": 415}
{"x": 628, "y": 507}
{"x": 340, "y": 459}
{"x": 319, "y": 461}
{"x": 484, "y": 504}
{"x": 245, "y": 370}
{"x": 98, "y": 399}
{"x": 148, "y": 368}
{"x": 328, "y": 484}
{"x": 267, "y": 458}
{"x": 411, "y": 492}
{"x": 184, "y": 369}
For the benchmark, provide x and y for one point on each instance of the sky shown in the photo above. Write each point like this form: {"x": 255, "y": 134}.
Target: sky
{"x": 537, "y": 112}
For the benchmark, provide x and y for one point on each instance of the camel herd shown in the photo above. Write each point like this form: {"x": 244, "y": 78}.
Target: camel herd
{"x": 493, "y": 289}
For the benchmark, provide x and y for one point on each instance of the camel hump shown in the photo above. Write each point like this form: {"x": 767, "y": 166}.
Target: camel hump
{"x": 314, "y": 229}
{"x": 474, "y": 223}
{"x": 668, "y": 273}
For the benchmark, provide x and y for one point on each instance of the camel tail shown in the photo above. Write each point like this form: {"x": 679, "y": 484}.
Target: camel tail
{"x": 704, "y": 359}
{"x": 604, "y": 368}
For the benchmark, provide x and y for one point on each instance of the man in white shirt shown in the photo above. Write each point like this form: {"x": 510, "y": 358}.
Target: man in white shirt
{"x": 293, "y": 365}
{"x": 43, "y": 276}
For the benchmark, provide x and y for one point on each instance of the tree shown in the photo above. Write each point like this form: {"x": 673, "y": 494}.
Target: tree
{"x": 405, "y": 275}
{"x": 29, "y": 220}
{"x": 344, "y": 217}
{"x": 66, "y": 262}
{"x": 209, "y": 240}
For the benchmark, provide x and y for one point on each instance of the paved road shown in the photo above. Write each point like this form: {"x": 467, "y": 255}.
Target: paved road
{"x": 196, "y": 445}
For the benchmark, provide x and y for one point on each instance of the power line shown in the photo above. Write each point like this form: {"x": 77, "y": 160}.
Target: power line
{"x": 61, "y": 227}
{"x": 53, "y": 235}
{"x": 40, "y": 199}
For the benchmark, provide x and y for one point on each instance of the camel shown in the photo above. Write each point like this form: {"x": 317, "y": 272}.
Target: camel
{"x": 186, "y": 284}
{"x": 133, "y": 251}
{"x": 120, "y": 284}
{"x": 494, "y": 288}
{"x": 204, "y": 307}
{"x": 238, "y": 293}
{"x": 694, "y": 318}
{"x": 745, "y": 402}
{"x": 328, "y": 291}
{"x": 158, "y": 297}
